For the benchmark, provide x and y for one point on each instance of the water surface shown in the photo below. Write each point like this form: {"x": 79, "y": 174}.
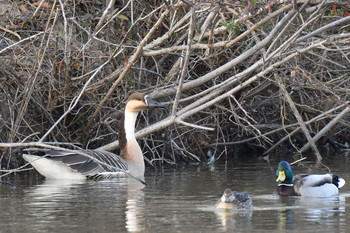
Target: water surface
{"x": 174, "y": 200}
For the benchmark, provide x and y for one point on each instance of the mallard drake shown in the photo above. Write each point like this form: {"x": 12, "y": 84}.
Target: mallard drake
{"x": 285, "y": 176}
{"x": 234, "y": 200}
{"x": 83, "y": 164}
{"x": 323, "y": 185}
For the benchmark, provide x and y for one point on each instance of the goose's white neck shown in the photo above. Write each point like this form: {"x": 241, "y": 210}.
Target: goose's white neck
{"x": 129, "y": 125}
{"x": 133, "y": 155}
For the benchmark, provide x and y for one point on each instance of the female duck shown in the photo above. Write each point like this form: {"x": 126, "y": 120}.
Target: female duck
{"x": 234, "y": 200}
{"x": 83, "y": 164}
{"x": 325, "y": 185}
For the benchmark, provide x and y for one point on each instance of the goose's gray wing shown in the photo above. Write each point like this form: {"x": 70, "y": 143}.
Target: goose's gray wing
{"x": 87, "y": 162}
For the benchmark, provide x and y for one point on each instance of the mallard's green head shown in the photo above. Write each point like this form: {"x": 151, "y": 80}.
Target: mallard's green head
{"x": 284, "y": 173}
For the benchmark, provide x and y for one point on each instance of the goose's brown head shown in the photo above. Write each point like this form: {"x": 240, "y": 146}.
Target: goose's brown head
{"x": 139, "y": 101}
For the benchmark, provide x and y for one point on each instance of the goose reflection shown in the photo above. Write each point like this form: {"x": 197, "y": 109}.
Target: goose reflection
{"x": 50, "y": 200}
{"x": 135, "y": 207}
{"x": 51, "y": 191}
{"x": 102, "y": 205}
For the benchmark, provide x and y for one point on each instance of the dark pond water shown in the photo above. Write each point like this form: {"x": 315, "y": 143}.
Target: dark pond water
{"x": 175, "y": 200}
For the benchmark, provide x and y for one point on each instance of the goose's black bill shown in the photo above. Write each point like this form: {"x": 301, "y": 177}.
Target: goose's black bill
{"x": 151, "y": 103}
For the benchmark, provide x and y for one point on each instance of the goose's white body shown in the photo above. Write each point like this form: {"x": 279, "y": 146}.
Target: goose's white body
{"x": 52, "y": 169}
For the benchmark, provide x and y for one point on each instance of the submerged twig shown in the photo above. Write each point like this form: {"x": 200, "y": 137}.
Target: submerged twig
{"x": 8, "y": 183}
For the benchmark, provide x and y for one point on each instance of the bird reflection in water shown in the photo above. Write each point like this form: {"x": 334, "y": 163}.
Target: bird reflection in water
{"x": 135, "y": 207}
{"x": 310, "y": 210}
{"x": 96, "y": 203}
{"x": 234, "y": 209}
{"x": 232, "y": 219}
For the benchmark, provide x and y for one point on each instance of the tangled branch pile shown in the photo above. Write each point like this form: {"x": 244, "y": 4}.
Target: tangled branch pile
{"x": 239, "y": 76}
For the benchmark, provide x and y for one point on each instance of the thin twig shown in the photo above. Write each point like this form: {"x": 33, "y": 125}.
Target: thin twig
{"x": 325, "y": 129}
{"x": 21, "y": 41}
{"x": 131, "y": 61}
{"x": 297, "y": 161}
{"x": 300, "y": 120}
{"x": 104, "y": 15}
{"x": 74, "y": 102}
{"x": 324, "y": 28}
{"x": 184, "y": 65}
{"x": 33, "y": 81}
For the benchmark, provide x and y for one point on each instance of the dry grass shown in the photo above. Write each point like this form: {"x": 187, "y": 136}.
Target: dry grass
{"x": 67, "y": 68}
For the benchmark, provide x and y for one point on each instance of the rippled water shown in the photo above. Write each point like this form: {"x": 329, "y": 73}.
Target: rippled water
{"x": 174, "y": 200}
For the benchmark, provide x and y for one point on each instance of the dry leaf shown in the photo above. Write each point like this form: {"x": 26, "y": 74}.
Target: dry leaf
{"x": 23, "y": 8}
